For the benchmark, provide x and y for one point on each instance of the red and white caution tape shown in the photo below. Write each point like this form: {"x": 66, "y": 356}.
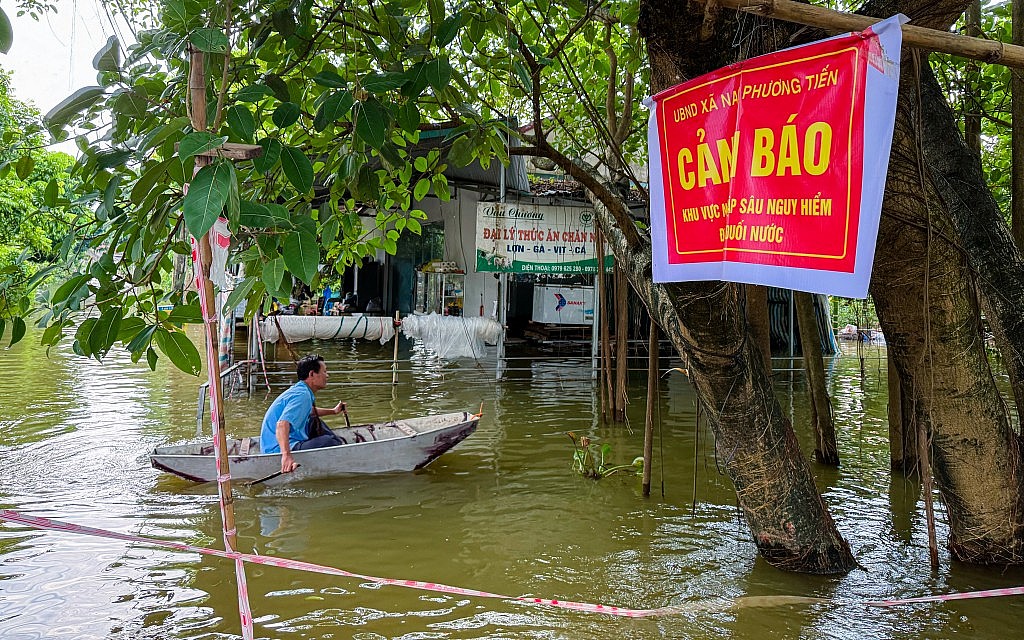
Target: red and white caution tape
{"x": 56, "y": 525}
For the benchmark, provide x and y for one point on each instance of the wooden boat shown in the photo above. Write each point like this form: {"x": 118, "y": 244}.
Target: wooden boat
{"x": 399, "y": 445}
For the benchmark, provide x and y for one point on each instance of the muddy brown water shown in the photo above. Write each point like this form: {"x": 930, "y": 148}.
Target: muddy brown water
{"x": 503, "y": 513}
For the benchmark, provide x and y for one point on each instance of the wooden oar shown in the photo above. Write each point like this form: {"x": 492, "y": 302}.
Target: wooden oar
{"x": 270, "y": 477}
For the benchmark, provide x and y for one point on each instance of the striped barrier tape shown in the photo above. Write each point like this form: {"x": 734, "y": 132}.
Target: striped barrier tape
{"x": 239, "y": 558}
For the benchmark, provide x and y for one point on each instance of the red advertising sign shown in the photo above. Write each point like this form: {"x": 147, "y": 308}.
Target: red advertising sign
{"x": 769, "y": 163}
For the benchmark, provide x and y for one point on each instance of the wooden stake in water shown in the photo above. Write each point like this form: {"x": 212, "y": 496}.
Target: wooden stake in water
{"x": 652, "y": 396}
{"x": 394, "y": 358}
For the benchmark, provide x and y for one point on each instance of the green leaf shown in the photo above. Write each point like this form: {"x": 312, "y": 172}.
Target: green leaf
{"x": 197, "y": 142}
{"x": 113, "y": 158}
{"x": 336, "y": 106}
{"x": 347, "y": 167}
{"x": 68, "y": 108}
{"x": 382, "y": 82}
{"x": 284, "y": 22}
{"x": 130, "y": 326}
{"x": 448, "y": 30}
{"x": 286, "y": 114}
{"x": 162, "y": 132}
{"x": 142, "y": 339}
{"x": 330, "y": 79}
{"x": 6, "y": 36}
{"x": 439, "y": 73}
{"x": 209, "y": 40}
{"x": 258, "y": 216}
{"x": 253, "y": 93}
{"x": 273, "y": 274}
{"x": 271, "y": 152}
{"x": 329, "y": 231}
{"x": 421, "y": 190}
{"x": 52, "y": 335}
{"x": 206, "y": 198}
{"x": 239, "y": 293}
{"x": 151, "y": 358}
{"x": 461, "y": 152}
{"x": 241, "y": 122}
{"x": 302, "y": 255}
{"x": 147, "y": 181}
{"x": 524, "y": 75}
{"x": 69, "y": 288}
{"x": 417, "y": 75}
{"x": 440, "y": 184}
{"x": 412, "y": 224}
{"x": 297, "y": 168}
{"x": 278, "y": 86}
{"x": 23, "y": 168}
{"x": 51, "y": 193}
{"x": 105, "y": 331}
{"x": 108, "y": 58}
{"x": 182, "y": 353}
{"x": 409, "y": 116}
{"x": 83, "y": 336}
{"x": 185, "y": 314}
{"x": 371, "y": 120}
{"x": 18, "y": 329}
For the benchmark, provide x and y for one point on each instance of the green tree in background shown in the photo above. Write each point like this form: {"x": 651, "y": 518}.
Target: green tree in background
{"x": 34, "y": 219}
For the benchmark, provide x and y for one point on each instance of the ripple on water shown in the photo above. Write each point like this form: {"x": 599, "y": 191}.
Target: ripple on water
{"x": 503, "y": 512}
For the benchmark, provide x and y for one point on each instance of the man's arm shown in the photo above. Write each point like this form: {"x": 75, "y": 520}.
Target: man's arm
{"x": 287, "y": 462}
{"x": 338, "y": 408}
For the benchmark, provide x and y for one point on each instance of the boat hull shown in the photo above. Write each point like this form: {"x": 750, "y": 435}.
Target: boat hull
{"x": 401, "y": 445}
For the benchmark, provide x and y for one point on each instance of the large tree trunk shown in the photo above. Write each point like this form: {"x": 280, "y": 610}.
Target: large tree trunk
{"x": 924, "y": 292}
{"x": 775, "y": 489}
{"x": 979, "y": 226}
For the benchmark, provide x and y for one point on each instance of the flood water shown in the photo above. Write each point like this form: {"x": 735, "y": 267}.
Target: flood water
{"x": 503, "y": 512}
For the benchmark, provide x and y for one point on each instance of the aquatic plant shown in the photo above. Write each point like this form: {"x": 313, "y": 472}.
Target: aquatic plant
{"x": 589, "y": 459}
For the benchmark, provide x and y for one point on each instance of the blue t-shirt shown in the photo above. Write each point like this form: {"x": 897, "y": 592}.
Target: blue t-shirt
{"x": 293, "y": 406}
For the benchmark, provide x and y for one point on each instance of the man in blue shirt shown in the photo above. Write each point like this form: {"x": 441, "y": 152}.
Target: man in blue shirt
{"x": 288, "y": 423}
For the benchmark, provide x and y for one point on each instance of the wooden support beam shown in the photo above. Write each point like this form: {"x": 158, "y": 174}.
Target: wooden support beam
{"x": 990, "y": 51}
{"x": 232, "y": 151}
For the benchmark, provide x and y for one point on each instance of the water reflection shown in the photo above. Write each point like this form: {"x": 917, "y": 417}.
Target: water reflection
{"x": 502, "y": 513}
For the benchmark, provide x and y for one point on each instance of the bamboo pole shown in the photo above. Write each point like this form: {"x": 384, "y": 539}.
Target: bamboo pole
{"x": 394, "y": 359}
{"x": 652, "y": 397}
{"x": 989, "y": 51}
{"x": 207, "y": 300}
{"x": 621, "y": 342}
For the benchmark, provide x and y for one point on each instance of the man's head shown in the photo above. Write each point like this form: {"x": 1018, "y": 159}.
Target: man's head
{"x": 312, "y": 370}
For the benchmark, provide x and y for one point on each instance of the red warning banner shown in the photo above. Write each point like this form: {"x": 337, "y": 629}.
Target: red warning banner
{"x": 771, "y": 163}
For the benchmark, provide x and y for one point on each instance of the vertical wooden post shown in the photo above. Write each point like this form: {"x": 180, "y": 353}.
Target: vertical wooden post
{"x": 760, "y": 324}
{"x": 621, "y": 342}
{"x": 925, "y": 465}
{"x": 606, "y": 359}
{"x": 825, "y": 450}
{"x": 207, "y": 300}
{"x": 394, "y": 359}
{"x": 652, "y": 398}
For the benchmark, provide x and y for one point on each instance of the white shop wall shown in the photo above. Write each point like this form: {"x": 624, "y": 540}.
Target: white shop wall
{"x": 459, "y": 218}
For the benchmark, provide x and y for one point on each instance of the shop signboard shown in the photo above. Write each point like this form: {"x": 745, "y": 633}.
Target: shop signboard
{"x": 534, "y": 238}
